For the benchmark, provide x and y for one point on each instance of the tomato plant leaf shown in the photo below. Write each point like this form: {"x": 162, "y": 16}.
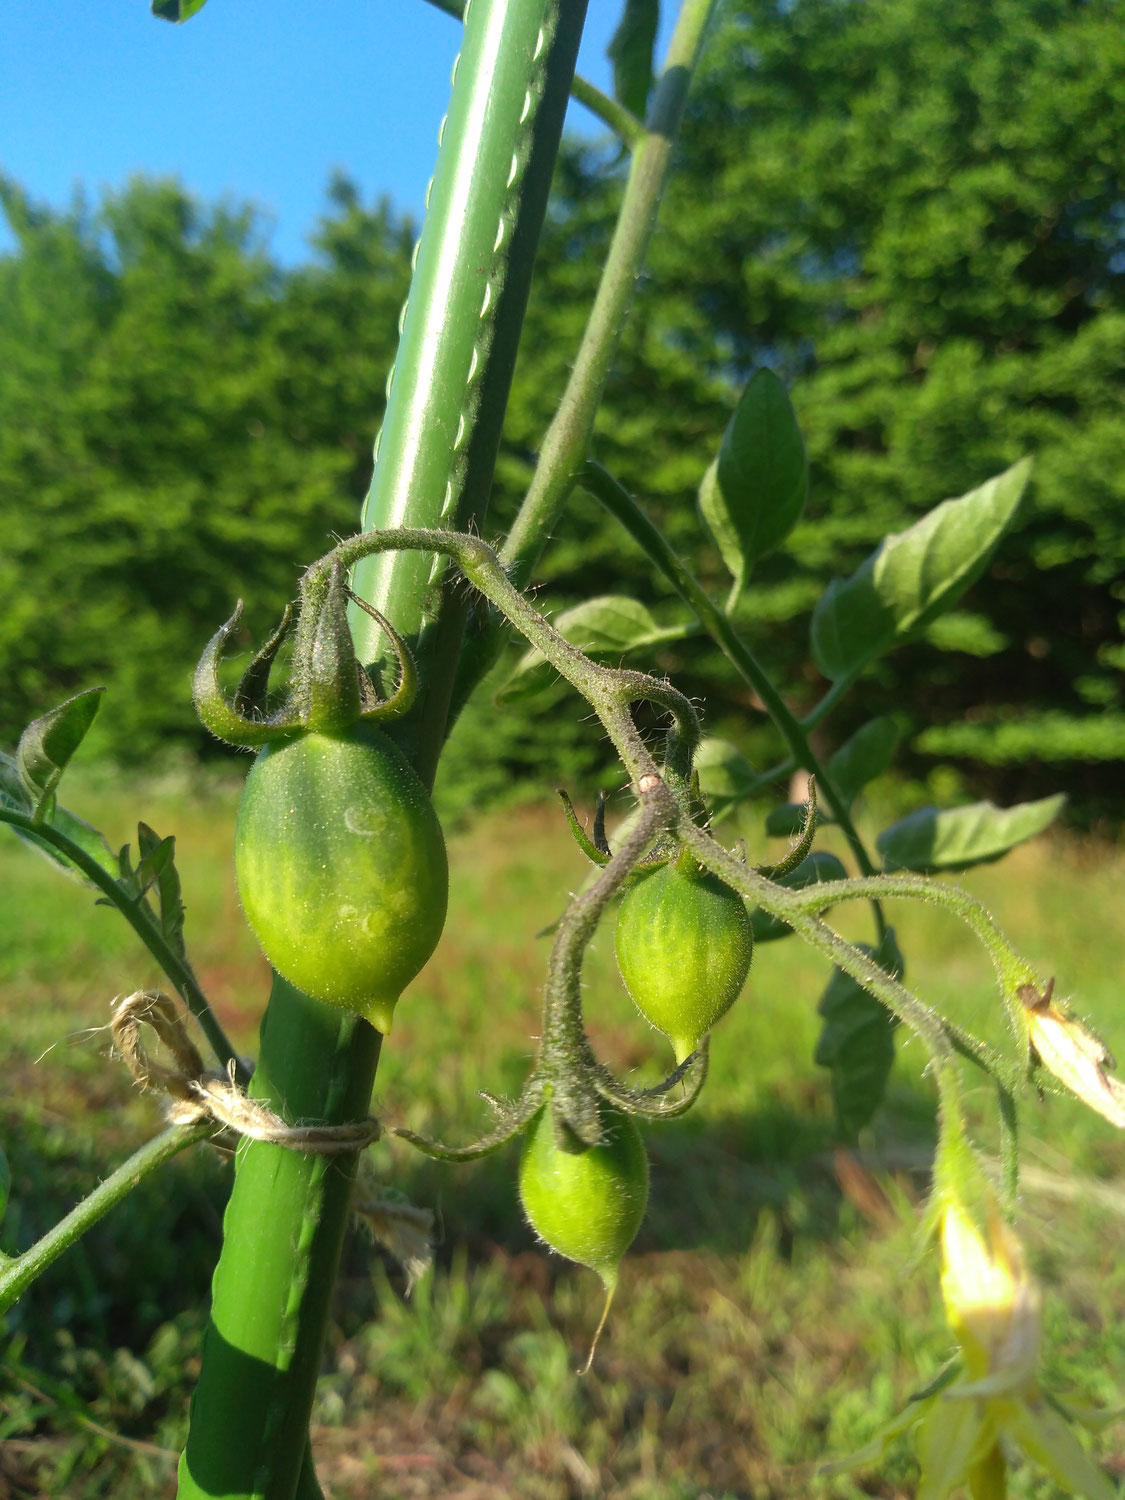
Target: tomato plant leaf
{"x": 783, "y": 821}
{"x": 819, "y": 867}
{"x": 753, "y": 494}
{"x": 14, "y": 798}
{"x": 630, "y": 51}
{"x": 856, "y": 1042}
{"x": 608, "y": 626}
{"x": 176, "y": 10}
{"x": 47, "y": 744}
{"x": 157, "y": 867}
{"x": 958, "y": 837}
{"x": 725, "y": 776}
{"x": 913, "y": 575}
{"x": 866, "y": 755}
{"x": 13, "y": 793}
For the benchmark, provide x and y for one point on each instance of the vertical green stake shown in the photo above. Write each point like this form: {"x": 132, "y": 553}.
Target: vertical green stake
{"x": 434, "y": 460}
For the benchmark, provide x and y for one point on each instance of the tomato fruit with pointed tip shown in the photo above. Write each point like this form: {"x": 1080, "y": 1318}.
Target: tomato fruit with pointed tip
{"x": 684, "y": 945}
{"x": 587, "y": 1205}
{"x": 341, "y": 867}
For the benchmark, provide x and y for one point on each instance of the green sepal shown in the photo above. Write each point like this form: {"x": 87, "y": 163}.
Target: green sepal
{"x": 326, "y": 677}
{"x": 222, "y": 717}
{"x": 590, "y": 849}
{"x": 253, "y": 687}
{"x": 48, "y": 743}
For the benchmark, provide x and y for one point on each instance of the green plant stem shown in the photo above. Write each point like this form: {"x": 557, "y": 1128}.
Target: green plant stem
{"x": 567, "y": 440}
{"x": 617, "y": 500}
{"x": 17, "y": 1274}
{"x": 1012, "y": 971}
{"x": 609, "y": 691}
{"x": 435, "y": 456}
{"x": 176, "y": 968}
{"x": 921, "y": 1018}
{"x": 282, "y": 1234}
{"x": 623, "y": 122}
{"x": 448, "y": 390}
{"x": 820, "y": 710}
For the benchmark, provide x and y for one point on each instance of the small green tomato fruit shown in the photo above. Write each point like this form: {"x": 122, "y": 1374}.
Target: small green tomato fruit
{"x": 341, "y": 867}
{"x": 587, "y": 1205}
{"x": 684, "y": 944}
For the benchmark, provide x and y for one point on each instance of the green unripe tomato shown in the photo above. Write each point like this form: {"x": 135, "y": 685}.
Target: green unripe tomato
{"x": 684, "y": 944}
{"x": 587, "y": 1205}
{"x": 341, "y": 867}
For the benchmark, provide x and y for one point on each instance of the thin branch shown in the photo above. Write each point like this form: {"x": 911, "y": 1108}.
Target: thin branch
{"x": 17, "y": 1275}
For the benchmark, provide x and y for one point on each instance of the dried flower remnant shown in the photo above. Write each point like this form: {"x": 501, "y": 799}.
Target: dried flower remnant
{"x": 1072, "y": 1053}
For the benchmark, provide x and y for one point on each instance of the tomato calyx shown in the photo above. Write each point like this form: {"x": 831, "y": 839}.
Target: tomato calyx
{"x": 328, "y": 688}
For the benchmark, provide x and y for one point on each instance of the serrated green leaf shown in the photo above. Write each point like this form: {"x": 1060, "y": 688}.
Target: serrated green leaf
{"x": 753, "y": 494}
{"x": 959, "y": 837}
{"x": 725, "y": 776}
{"x": 819, "y": 867}
{"x": 856, "y": 1041}
{"x": 608, "y": 626}
{"x": 913, "y": 575}
{"x": 630, "y": 51}
{"x": 14, "y": 796}
{"x": 866, "y": 755}
{"x": 158, "y": 867}
{"x": 47, "y": 744}
{"x": 176, "y": 10}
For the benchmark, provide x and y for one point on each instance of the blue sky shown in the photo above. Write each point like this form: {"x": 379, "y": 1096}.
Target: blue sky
{"x": 256, "y": 99}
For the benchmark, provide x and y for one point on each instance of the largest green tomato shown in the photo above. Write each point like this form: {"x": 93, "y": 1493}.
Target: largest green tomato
{"x": 341, "y": 867}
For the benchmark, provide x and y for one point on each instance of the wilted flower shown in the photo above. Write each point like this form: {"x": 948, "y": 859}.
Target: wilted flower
{"x": 1072, "y": 1053}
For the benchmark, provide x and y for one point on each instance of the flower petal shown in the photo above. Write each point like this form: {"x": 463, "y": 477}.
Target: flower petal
{"x": 988, "y": 1479}
{"x": 1045, "y": 1437}
{"x": 954, "y": 1436}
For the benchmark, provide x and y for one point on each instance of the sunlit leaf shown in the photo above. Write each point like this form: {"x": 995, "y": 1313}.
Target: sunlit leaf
{"x": 866, "y": 755}
{"x": 47, "y": 744}
{"x": 959, "y": 837}
{"x": 753, "y": 494}
{"x": 158, "y": 867}
{"x": 176, "y": 10}
{"x": 725, "y": 776}
{"x": 630, "y": 51}
{"x": 913, "y": 575}
{"x": 609, "y": 626}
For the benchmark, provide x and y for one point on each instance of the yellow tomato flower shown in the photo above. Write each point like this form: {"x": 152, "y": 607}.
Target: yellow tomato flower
{"x": 975, "y": 1414}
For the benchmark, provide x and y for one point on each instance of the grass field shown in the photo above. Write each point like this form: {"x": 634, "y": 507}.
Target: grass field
{"x": 770, "y": 1316}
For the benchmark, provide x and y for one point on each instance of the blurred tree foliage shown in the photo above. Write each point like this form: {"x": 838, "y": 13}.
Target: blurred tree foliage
{"x": 914, "y": 213}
